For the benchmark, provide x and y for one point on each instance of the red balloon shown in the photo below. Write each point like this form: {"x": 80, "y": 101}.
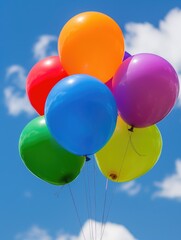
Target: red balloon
{"x": 41, "y": 79}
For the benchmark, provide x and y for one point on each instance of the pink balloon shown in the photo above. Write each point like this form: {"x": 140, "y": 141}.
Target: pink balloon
{"x": 146, "y": 88}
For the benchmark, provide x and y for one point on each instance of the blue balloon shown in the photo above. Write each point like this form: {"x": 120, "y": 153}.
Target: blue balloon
{"x": 81, "y": 114}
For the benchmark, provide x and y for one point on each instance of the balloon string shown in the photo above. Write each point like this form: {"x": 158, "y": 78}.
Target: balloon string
{"x": 131, "y": 129}
{"x": 134, "y": 148}
{"x": 91, "y": 204}
{"x": 124, "y": 156}
{"x": 57, "y": 193}
{"x": 108, "y": 212}
{"x": 95, "y": 203}
{"x": 104, "y": 206}
{"x": 87, "y": 197}
{"x": 76, "y": 209}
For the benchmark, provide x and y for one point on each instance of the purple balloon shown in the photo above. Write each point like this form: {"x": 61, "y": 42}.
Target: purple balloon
{"x": 126, "y": 55}
{"x": 145, "y": 87}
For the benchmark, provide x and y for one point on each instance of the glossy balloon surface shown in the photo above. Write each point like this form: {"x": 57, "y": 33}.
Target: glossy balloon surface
{"x": 81, "y": 114}
{"x": 91, "y": 43}
{"x": 44, "y": 157}
{"x": 146, "y": 88}
{"x": 41, "y": 78}
{"x": 129, "y": 155}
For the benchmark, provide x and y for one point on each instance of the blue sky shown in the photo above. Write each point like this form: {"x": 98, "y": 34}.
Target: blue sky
{"x": 147, "y": 208}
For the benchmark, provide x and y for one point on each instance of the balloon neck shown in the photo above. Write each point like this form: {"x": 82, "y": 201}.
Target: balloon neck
{"x": 87, "y": 158}
{"x": 113, "y": 176}
{"x": 131, "y": 129}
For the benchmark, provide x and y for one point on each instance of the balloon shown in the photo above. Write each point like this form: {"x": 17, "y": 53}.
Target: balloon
{"x": 81, "y": 114}
{"x": 126, "y": 55}
{"x": 145, "y": 87}
{"x": 109, "y": 83}
{"x": 129, "y": 155}
{"x": 91, "y": 43}
{"x": 44, "y": 157}
{"x": 42, "y": 77}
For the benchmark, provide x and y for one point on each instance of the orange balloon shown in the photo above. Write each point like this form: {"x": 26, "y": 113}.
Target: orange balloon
{"x": 91, "y": 43}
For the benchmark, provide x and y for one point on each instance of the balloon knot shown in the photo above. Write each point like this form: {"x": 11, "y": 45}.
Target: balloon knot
{"x": 87, "y": 158}
{"x": 131, "y": 129}
{"x": 113, "y": 176}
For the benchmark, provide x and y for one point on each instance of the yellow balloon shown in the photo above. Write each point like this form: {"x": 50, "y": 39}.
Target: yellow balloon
{"x": 129, "y": 155}
{"x": 91, "y": 43}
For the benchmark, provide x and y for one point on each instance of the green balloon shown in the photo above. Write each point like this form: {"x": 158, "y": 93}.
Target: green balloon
{"x": 44, "y": 157}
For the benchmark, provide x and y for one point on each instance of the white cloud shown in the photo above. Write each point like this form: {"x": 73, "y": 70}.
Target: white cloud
{"x": 15, "y": 97}
{"x": 18, "y": 74}
{"x": 170, "y": 187}
{"x": 131, "y": 188}
{"x": 16, "y": 102}
{"x": 45, "y": 46}
{"x": 163, "y": 40}
{"x": 35, "y": 233}
{"x": 111, "y": 231}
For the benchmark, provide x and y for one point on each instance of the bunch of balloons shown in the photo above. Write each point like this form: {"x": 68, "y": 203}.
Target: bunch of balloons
{"x": 95, "y": 98}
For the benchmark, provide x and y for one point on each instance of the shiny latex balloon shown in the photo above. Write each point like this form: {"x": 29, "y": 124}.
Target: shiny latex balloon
{"x": 145, "y": 87}
{"x": 126, "y": 55}
{"x": 81, "y": 114}
{"x": 91, "y": 43}
{"x": 129, "y": 154}
{"x": 44, "y": 157}
{"x": 41, "y": 78}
